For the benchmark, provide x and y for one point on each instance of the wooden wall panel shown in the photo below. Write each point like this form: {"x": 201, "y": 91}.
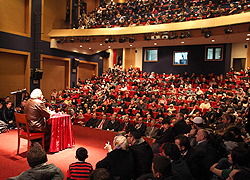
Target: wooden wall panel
{"x": 13, "y": 68}
{"x": 86, "y": 70}
{"x": 91, "y": 4}
{"x": 55, "y": 73}
{"x": 13, "y": 15}
{"x": 129, "y": 57}
{"x": 53, "y": 16}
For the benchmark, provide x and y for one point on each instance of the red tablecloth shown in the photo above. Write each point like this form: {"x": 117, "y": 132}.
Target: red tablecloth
{"x": 61, "y": 133}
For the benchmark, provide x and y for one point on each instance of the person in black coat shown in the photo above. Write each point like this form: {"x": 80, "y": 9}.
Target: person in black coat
{"x": 188, "y": 154}
{"x": 113, "y": 124}
{"x": 181, "y": 126}
{"x": 165, "y": 134}
{"x": 92, "y": 121}
{"x": 141, "y": 126}
{"x": 125, "y": 126}
{"x": 205, "y": 153}
{"x": 142, "y": 153}
{"x": 119, "y": 161}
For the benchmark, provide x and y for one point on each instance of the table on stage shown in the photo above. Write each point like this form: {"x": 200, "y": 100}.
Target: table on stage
{"x": 61, "y": 132}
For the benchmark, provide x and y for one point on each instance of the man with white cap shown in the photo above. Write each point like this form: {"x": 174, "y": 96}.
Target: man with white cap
{"x": 197, "y": 125}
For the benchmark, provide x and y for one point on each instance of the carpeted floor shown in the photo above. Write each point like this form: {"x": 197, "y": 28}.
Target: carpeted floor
{"x": 12, "y": 164}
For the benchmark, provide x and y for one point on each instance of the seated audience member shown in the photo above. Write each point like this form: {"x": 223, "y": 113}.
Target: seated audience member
{"x": 184, "y": 109}
{"x": 181, "y": 126}
{"x": 8, "y": 115}
{"x": 140, "y": 126}
{"x": 100, "y": 174}
{"x": 142, "y": 153}
{"x": 205, "y": 104}
{"x": 188, "y": 155}
{"x": 125, "y": 126}
{"x": 162, "y": 169}
{"x": 67, "y": 101}
{"x": 102, "y": 123}
{"x": 172, "y": 109}
{"x": 178, "y": 165}
{"x": 119, "y": 161}
{"x": 113, "y": 124}
{"x": 92, "y": 121}
{"x": 151, "y": 131}
{"x": 205, "y": 153}
{"x": 164, "y": 135}
{"x": 238, "y": 158}
{"x": 39, "y": 169}
{"x": 80, "y": 169}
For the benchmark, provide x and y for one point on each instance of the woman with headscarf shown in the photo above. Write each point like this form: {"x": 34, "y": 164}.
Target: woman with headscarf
{"x": 119, "y": 161}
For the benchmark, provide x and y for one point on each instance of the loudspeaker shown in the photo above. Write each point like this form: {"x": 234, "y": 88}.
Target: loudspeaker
{"x": 245, "y": 46}
{"x": 105, "y": 54}
{"x": 38, "y": 74}
{"x": 75, "y": 63}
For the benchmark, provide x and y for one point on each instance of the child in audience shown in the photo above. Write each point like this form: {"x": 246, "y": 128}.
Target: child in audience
{"x": 80, "y": 170}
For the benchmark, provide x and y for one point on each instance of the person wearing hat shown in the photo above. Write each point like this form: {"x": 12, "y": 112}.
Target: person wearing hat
{"x": 205, "y": 104}
{"x": 118, "y": 161}
{"x": 172, "y": 109}
{"x": 197, "y": 125}
{"x": 164, "y": 135}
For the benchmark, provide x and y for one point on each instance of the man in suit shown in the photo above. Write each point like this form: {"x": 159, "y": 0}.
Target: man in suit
{"x": 102, "y": 123}
{"x": 113, "y": 124}
{"x": 141, "y": 126}
{"x": 205, "y": 153}
{"x": 126, "y": 126}
{"x": 151, "y": 132}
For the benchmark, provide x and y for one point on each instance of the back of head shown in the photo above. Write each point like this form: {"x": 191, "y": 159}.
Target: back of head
{"x": 240, "y": 156}
{"x": 100, "y": 174}
{"x": 135, "y": 133}
{"x": 184, "y": 141}
{"x": 36, "y": 156}
{"x": 162, "y": 165}
{"x": 36, "y": 93}
{"x": 81, "y": 154}
{"x": 242, "y": 174}
{"x": 120, "y": 142}
{"x": 172, "y": 151}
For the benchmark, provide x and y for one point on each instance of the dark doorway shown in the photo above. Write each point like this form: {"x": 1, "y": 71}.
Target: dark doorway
{"x": 239, "y": 63}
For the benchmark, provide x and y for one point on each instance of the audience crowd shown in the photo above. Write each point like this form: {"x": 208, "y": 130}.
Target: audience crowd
{"x": 198, "y": 124}
{"x": 139, "y": 13}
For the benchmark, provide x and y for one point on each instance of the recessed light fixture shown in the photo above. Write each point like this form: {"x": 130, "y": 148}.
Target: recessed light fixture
{"x": 89, "y": 47}
{"x": 247, "y": 39}
{"x": 101, "y": 44}
{"x": 213, "y": 40}
{"x": 109, "y": 47}
{"x": 80, "y": 45}
{"x": 182, "y": 42}
{"x": 131, "y": 45}
{"x": 248, "y": 34}
{"x": 75, "y": 51}
{"x": 155, "y": 43}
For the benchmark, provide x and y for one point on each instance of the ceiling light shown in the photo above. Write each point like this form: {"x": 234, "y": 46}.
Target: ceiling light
{"x": 72, "y": 40}
{"x": 188, "y": 34}
{"x": 89, "y": 47}
{"x": 228, "y": 30}
{"x": 87, "y": 40}
{"x": 165, "y": 35}
{"x": 248, "y": 34}
{"x": 247, "y": 39}
{"x": 109, "y": 47}
{"x": 80, "y": 45}
{"x": 213, "y": 40}
{"x": 131, "y": 45}
{"x": 122, "y": 40}
{"x": 183, "y": 35}
{"x": 101, "y": 44}
{"x": 131, "y": 39}
{"x": 207, "y": 34}
{"x": 155, "y": 43}
{"x": 182, "y": 42}
{"x": 106, "y": 40}
{"x": 58, "y": 41}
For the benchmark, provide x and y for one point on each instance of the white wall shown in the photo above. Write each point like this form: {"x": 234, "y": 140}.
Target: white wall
{"x": 238, "y": 51}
